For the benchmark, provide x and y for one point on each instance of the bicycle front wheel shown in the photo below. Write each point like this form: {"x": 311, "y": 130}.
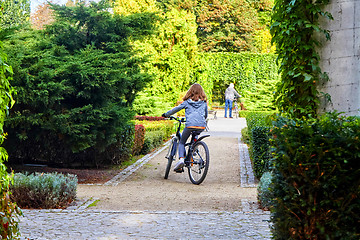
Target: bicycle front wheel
{"x": 199, "y": 163}
{"x": 170, "y": 156}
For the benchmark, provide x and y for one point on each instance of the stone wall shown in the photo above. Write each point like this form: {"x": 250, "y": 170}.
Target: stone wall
{"x": 340, "y": 57}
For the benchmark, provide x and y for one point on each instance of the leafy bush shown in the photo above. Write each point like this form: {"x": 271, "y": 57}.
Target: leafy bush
{"x": 150, "y": 105}
{"x": 265, "y": 194}
{"x": 138, "y": 139}
{"x": 316, "y": 178}
{"x": 43, "y": 190}
{"x": 259, "y": 150}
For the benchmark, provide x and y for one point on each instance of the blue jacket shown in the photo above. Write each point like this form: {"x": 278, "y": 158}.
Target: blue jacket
{"x": 195, "y": 112}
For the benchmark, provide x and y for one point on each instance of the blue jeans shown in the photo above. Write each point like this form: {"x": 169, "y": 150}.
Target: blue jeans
{"x": 184, "y": 136}
{"x": 228, "y": 105}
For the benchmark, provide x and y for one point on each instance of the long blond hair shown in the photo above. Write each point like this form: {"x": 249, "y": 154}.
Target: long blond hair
{"x": 195, "y": 93}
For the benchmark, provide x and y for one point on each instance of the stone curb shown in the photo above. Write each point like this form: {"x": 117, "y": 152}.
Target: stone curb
{"x": 139, "y": 163}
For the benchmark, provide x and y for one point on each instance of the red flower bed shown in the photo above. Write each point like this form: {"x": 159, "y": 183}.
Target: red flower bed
{"x": 149, "y": 118}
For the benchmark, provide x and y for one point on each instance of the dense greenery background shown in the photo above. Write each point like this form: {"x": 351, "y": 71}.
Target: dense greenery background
{"x": 81, "y": 79}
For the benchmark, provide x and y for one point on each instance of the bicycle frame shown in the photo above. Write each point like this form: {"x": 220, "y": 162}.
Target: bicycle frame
{"x": 190, "y": 162}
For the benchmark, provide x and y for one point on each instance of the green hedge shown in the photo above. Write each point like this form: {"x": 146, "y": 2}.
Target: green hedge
{"x": 254, "y": 75}
{"x": 316, "y": 178}
{"x": 153, "y": 140}
{"x": 157, "y": 131}
{"x": 43, "y": 190}
{"x": 258, "y": 130}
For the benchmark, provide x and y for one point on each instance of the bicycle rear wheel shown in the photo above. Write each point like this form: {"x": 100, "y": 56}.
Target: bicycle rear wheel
{"x": 170, "y": 156}
{"x": 199, "y": 163}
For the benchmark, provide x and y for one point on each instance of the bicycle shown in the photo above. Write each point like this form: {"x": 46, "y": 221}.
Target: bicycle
{"x": 236, "y": 108}
{"x": 197, "y": 154}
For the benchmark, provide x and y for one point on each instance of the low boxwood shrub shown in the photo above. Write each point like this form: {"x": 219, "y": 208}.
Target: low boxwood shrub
{"x": 316, "y": 182}
{"x": 265, "y": 194}
{"x": 43, "y": 190}
{"x": 153, "y": 140}
{"x": 245, "y": 135}
{"x": 165, "y": 126}
{"x": 258, "y": 128}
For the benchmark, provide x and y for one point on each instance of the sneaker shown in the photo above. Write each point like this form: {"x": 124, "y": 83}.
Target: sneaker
{"x": 179, "y": 165}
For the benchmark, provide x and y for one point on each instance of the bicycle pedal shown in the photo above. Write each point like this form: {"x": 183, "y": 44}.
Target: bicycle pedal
{"x": 180, "y": 170}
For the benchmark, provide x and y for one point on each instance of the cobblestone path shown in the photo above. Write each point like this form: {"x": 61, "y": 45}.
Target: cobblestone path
{"x": 43, "y": 224}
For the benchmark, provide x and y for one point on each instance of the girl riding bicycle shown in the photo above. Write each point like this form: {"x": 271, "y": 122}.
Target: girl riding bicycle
{"x": 196, "y": 112}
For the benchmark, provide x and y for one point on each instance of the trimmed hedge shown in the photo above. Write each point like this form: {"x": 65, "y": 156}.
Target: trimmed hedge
{"x": 316, "y": 178}
{"x": 43, "y": 190}
{"x": 153, "y": 140}
{"x": 157, "y": 130}
{"x": 255, "y": 77}
{"x": 258, "y": 130}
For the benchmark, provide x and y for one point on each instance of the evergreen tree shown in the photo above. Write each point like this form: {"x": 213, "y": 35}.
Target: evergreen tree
{"x": 76, "y": 81}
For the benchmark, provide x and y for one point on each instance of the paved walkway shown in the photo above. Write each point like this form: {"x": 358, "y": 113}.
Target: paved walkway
{"x": 80, "y": 222}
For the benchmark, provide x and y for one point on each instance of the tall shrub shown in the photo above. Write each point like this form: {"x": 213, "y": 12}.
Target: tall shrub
{"x": 76, "y": 83}
{"x": 316, "y": 181}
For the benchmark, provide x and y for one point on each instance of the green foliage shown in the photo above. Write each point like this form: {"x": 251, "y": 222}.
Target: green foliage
{"x": 76, "y": 84}
{"x": 44, "y": 190}
{"x": 153, "y": 139}
{"x": 245, "y": 135}
{"x": 172, "y": 54}
{"x": 156, "y": 133}
{"x": 316, "y": 181}
{"x": 227, "y": 25}
{"x": 9, "y": 211}
{"x": 293, "y": 26}
{"x": 258, "y": 128}
{"x": 150, "y": 105}
{"x": 254, "y": 77}
{"x": 14, "y": 13}
{"x": 265, "y": 194}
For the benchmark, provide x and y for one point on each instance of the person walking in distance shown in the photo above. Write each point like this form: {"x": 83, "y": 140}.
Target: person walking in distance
{"x": 230, "y": 94}
{"x": 196, "y": 112}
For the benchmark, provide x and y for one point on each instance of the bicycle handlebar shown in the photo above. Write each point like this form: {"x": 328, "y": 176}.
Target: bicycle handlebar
{"x": 178, "y": 119}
